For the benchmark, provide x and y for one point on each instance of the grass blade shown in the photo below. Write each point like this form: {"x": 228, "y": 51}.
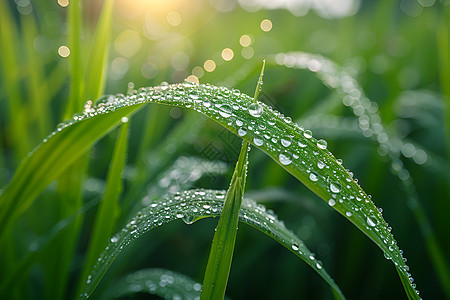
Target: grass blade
{"x": 99, "y": 54}
{"x": 16, "y": 116}
{"x": 109, "y": 209}
{"x": 287, "y": 143}
{"x": 76, "y": 79}
{"x": 191, "y": 206}
{"x": 163, "y": 283}
{"x": 50, "y": 160}
{"x": 219, "y": 261}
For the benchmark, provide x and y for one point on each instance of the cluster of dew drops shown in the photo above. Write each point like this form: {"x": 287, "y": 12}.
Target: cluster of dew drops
{"x": 369, "y": 122}
{"x": 161, "y": 281}
{"x": 189, "y": 206}
{"x": 256, "y": 122}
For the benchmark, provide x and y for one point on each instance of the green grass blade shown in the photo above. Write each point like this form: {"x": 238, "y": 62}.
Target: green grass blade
{"x": 163, "y": 283}
{"x": 109, "y": 209}
{"x": 37, "y": 85}
{"x": 287, "y": 143}
{"x": 99, "y": 54}
{"x": 16, "y": 116}
{"x": 76, "y": 74}
{"x": 22, "y": 268}
{"x": 58, "y": 268}
{"x": 51, "y": 159}
{"x": 194, "y": 205}
{"x": 221, "y": 254}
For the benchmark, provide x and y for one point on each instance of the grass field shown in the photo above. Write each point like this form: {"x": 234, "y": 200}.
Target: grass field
{"x": 139, "y": 136}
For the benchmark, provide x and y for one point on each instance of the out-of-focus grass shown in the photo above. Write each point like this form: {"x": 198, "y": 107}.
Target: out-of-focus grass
{"x": 398, "y": 51}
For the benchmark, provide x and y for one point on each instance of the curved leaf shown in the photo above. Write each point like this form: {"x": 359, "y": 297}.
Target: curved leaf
{"x": 191, "y": 206}
{"x": 164, "y": 283}
{"x": 286, "y": 142}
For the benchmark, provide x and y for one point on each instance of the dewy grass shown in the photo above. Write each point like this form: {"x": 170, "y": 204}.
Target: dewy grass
{"x": 370, "y": 124}
{"x": 191, "y": 206}
{"x": 291, "y": 146}
{"x": 221, "y": 254}
{"x": 43, "y": 242}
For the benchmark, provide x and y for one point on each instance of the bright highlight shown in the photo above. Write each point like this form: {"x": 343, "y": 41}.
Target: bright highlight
{"x": 63, "y": 51}
{"x": 227, "y": 54}
{"x": 209, "y": 65}
{"x": 266, "y": 25}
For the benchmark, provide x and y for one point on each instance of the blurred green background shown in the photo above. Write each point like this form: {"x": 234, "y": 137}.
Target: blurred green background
{"x": 397, "y": 50}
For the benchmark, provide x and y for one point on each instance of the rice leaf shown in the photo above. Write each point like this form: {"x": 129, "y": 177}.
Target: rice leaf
{"x": 290, "y": 145}
{"x": 99, "y": 54}
{"x": 191, "y": 206}
{"x": 164, "y": 283}
{"x": 109, "y": 209}
{"x": 219, "y": 262}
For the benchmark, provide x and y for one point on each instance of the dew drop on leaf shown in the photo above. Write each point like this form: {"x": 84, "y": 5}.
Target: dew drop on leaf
{"x": 335, "y": 187}
{"x": 242, "y": 131}
{"x": 307, "y": 134}
{"x": 286, "y": 141}
{"x": 313, "y": 176}
{"x": 285, "y": 158}
{"x": 301, "y": 144}
{"x": 331, "y": 202}
{"x": 225, "y": 110}
{"x": 258, "y": 141}
{"x": 370, "y": 222}
{"x": 255, "y": 109}
{"x": 322, "y": 144}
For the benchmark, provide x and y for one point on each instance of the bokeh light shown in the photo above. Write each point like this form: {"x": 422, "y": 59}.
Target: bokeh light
{"x": 198, "y": 71}
{"x": 174, "y": 18}
{"x": 247, "y": 52}
{"x": 266, "y": 25}
{"x": 245, "y": 40}
{"x": 227, "y": 54}
{"x": 63, "y": 3}
{"x": 128, "y": 43}
{"x": 63, "y": 51}
{"x": 209, "y": 65}
{"x": 193, "y": 79}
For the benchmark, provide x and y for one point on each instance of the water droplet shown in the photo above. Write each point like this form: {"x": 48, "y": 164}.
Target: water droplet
{"x": 335, "y": 187}
{"x": 285, "y": 158}
{"x": 242, "y": 131}
{"x": 370, "y": 222}
{"x": 307, "y": 134}
{"x": 348, "y": 214}
{"x": 295, "y": 246}
{"x": 271, "y": 121}
{"x": 313, "y": 176}
{"x": 322, "y": 144}
{"x": 239, "y": 122}
{"x": 255, "y": 109}
{"x": 258, "y": 141}
{"x": 285, "y": 141}
{"x": 301, "y": 144}
{"x": 331, "y": 202}
{"x": 320, "y": 165}
{"x": 225, "y": 110}
{"x": 188, "y": 220}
